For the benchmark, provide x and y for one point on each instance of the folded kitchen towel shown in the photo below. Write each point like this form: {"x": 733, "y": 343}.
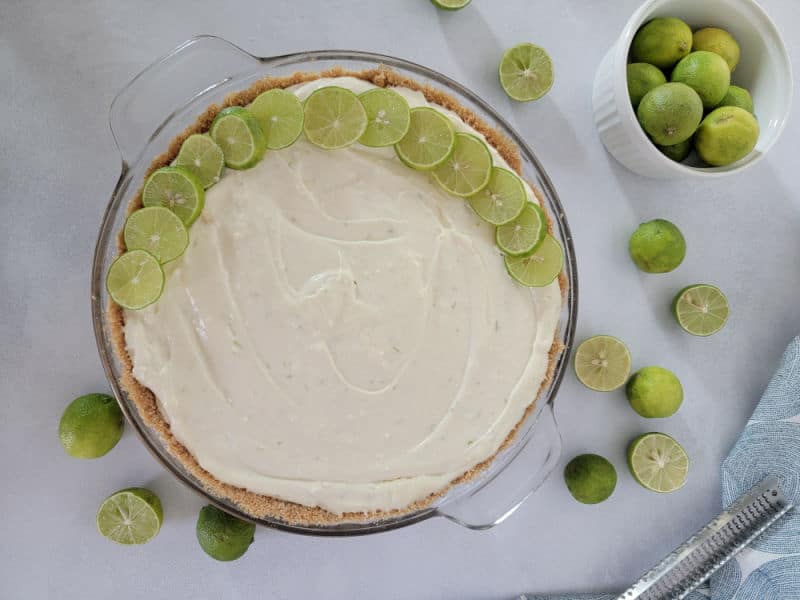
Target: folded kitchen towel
{"x": 769, "y": 445}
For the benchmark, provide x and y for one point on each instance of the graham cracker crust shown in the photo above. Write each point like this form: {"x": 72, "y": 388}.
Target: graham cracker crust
{"x": 258, "y": 505}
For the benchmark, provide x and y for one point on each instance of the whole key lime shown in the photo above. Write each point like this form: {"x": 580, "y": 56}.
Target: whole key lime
{"x": 718, "y": 41}
{"x": 590, "y": 478}
{"x": 707, "y": 74}
{"x": 642, "y": 78}
{"x": 91, "y": 426}
{"x": 654, "y": 392}
{"x": 670, "y": 113}
{"x": 657, "y": 246}
{"x": 662, "y": 42}
{"x": 726, "y": 135}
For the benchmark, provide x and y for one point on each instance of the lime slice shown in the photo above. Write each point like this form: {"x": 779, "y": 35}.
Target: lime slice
{"x": 701, "y": 309}
{"x": 502, "y": 200}
{"x": 468, "y": 169}
{"x": 524, "y": 234}
{"x": 222, "y": 536}
{"x": 280, "y": 115}
{"x": 450, "y": 4}
{"x": 526, "y": 72}
{"x": 177, "y": 189}
{"x": 539, "y": 268}
{"x": 157, "y": 230}
{"x": 602, "y": 363}
{"x": 130, "y": 516}
{"x": 334, "y": 117}
{"x": 203, "y": 158}
{"x": 429, "y": 141}
{"x": 239, "y": 135}
{"x": 388, "y": 117}
{"x": 91, "y": 426}
{"x": 657, "y": 462}
{"x": 135, "y": 279}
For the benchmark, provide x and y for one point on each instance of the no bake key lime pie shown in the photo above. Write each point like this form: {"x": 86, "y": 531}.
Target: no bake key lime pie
{"x": 335, "y": 297}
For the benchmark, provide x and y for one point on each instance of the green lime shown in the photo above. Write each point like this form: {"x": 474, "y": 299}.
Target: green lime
{"x": 701, "y": 309}
{"x": 718, "y": 41}
{"x": 602, "y": 363}
{"x": 654, "y": 392}
{"x": 157, "y": 230}
{"x": 642, "y": 78}
{"x": 590, "y": 478}
{"x": 130, "y": 516}
{"x": 334, "y": 117}
{"x": 706, "y": 73}
{"x": 526, "y": 72}
{"x": 541, "y": 267}
{"x": 430, "y": 139}
{"x": 502, "y": 200}
{"x": 177, "y": 189}
{"x": 738, "y": 96}
{"x": 135, "y": 279}
{"x": 657, "y": 462}
{"x": 450, "y": 4}
{"x": 662, "y": 42}
{"x": 239, "y": 135}
{"x": 657, "y": 246}
{"x": 726, "y": 135}
{"x": 280, "y": 115}
{"x": 670, "y": 113}
{"x": 677, "y": 152}
{"x": 203, "y": 158}
{"x": 222, "y": 536}
{"x": 91, "y": 426}
{"x": 388, "y": 117}
{"x": 468, "y": 168}
{"x": 524, "y": 234}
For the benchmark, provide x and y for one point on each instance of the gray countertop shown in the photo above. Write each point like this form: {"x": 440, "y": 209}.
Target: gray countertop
{"x": 63, "y": 62}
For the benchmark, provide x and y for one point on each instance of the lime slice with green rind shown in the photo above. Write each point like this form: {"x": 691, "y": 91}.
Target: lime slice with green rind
{"x": 130, "y": 516}
{"x": 223, "y": 536}
{"x": 658, "y": 463}
{"x": 526, "y": 72}
{"x": 450, "y": 4}
{"x": 468, "y": 169}
{"x": 201, "y": 156}
{"x": 524, "y": 234}
{"x": 701, "y": 309}
{"x": 91, "y": 426}
{"x": 502, "y": 200}
{"x": 541, "y": 267}
{"x": 429, "y": 141}
{"x": 177, "y": 189}
{"x": 239, "y": 135}
{"x": 388, "y": 117}
{"x": 280, "y": 115}
{"x": 334, "y": 118}
{"x": 135, "y": 279}
{"x": 602, "y": 363}
{"x": 157, "y": 230}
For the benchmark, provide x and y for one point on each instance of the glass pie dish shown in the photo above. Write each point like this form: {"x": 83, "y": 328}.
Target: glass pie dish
{"x": 162, "y": 101}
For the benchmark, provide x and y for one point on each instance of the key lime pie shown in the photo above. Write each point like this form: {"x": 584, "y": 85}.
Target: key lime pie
{"x": 335, "y": 297}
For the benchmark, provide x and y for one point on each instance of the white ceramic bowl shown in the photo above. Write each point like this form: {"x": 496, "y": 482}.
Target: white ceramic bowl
{"x": 764, "y": 69}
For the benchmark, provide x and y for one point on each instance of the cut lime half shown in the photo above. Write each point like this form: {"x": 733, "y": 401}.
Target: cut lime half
{"x": 203, "y": 158}
{"x": 130, "y": 516}
{"x": 135, "y": 279}
{"x": 280, "y": 115}
{"x": 429, "y": 141}
{"x": 701, "y": 309}
{"x": 502, "y": 200}
{"x": 657, "y": 462}
{"x": 602, "y": 363}
{"x": 239, "y": 135}
{"x": 177, "y": 189}
{"x": 334, "y": 118}
{"x": 526, "y": 72}
{"x": 157, "y": 230}
{"x": 388, "y": 117}
{"x": 524, "y": 234}
{"x": 541, "y": 267}
{"x": 468, "y": 169}
{"x": 450, "y": 4}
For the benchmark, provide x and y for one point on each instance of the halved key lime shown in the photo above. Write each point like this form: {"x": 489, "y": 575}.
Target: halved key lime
{"x": 177, "y": 189}
{"x": 157, "y": 230}
{"x": 280, "y": 115}
{"x": 239, "y": 135}
{"x": 130, "y": 516}
{"x": 135, "y": 279}
{"x": 523, "y": 234}
{"x": 502, "y": 200}
{"x": 602, "y": 363}
{"x": 701, "y": 309}
{"x": 388, "y": 117}
{"x": 540, "y": 268}
{"x": 203, "y": 158}
{"x": 334, "y": 117}
{"x": 429, "y": 141}
{"x": 450, "y": 4}
{"x": 657, "y": 462}
{"x": 526, "y": 72}
{"x": 468, "y": 169}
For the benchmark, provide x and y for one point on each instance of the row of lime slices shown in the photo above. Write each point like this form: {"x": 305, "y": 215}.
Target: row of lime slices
{"x": 331, "y": 117}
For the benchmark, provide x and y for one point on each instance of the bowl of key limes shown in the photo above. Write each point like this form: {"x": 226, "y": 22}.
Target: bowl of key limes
{"x": 693, "y": 89}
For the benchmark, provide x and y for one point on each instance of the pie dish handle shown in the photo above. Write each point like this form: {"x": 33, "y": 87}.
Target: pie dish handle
{"x": 145, "y": 106}
{"x": 504, "y": 492}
